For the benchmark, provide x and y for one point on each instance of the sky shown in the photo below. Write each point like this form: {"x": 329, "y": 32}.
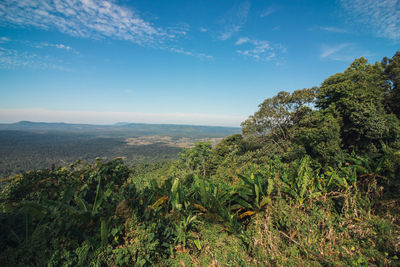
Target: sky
{"x": 196, "y": 62}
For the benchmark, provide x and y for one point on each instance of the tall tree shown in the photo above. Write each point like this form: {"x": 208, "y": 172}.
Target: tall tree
{"x": 195, "y": 158}
{"x": 318, "y": 135}
{"x": 277, "y": 115}
{"x": 391, "y": 68}
{"x": 358, "y": 95}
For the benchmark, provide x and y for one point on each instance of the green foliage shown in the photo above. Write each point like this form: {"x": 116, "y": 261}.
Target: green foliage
{"x": 183, "y": 227}
{"x": 227, "y": 149}
{"x": 25, "y": 151}
{"x": 318, "y": 135}
{"x": 195, "y": 158}
{"x": 301, "y": 181}
{"x": 358, "y": 96}
{"x": 277, "y": 115}
{"x": 189, "y": 217}
{"x": 392, "y": 74}
{"x": 253, "y": 194}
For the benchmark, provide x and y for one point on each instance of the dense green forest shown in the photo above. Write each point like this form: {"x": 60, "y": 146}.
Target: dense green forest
{"x": 314, "y": 179}
{"x": 27, "y": 146}
{"x": 24, "y": 151}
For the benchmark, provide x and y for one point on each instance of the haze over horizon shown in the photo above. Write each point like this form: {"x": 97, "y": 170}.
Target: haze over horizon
{"x": 109, "y": 118}
{"x": 191, "y": 62}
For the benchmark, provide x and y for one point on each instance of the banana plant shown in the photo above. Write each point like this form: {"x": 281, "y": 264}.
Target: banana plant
{"x": 177, "y": 195}
{"x": 342, "y": 179}
{"x": 183, "y": 227}
{"x": 210, "y": 197}
{"x": 83, "y": 211}
{"x": 215, "y": 200}
{"x": 252, "y": 194}
{"x": 303, "y": 184}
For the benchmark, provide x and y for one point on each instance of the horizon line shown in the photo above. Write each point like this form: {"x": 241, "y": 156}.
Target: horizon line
{"x": 114, "y": 124}
{"x": 9, "y": 115}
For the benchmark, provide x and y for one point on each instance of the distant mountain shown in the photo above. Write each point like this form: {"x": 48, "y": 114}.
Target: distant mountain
{"x": 121, "y": 123}
{"x": 122, "y": 129}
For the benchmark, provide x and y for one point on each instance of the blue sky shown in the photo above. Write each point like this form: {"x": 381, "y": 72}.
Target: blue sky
{"x": 185, "y": 62}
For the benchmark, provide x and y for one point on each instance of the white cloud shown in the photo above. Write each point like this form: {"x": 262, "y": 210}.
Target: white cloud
{"x": 12, "y": 59}
{"x": 16, "y": 53}
{"x": 192, "y": 54}
{"x": 58, "y": 46}
{"x": 35, "y": 45}
{"x": 380, "y": 16}
{"x": 328, "y": 51}
{"x": 331, "y": 29}
{"x": 4, "y": 39}
{"x": 93, "y": 117}
{"x": 203, "y": 29}
{"x": 276, "y": 28}
{"x": 259, "y": 49}
{"x": 234, "y": 20}
{"x": 90, "y": 19}
{"x": 178, "y": 30}
{"x": 61, "y": 46}
{"x": 242, "y": 40}
{"x": 181, "y": 51}
{"x": 85, "y": 18}
{"x": 342, "y": 52}
{"x": 268, "y": 11}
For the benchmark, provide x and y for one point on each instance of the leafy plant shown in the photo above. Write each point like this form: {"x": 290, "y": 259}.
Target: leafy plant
{"x": 303, "y": 183}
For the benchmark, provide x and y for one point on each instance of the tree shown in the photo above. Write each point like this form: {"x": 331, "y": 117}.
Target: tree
{"x": 277, "y": 115}
{"x": 318, "y": 135}
{"x": 391, "y": 69}
{"x": 229, "y": 147}
{"x": 358, "y": 95}
{"x": 196, "y": 158}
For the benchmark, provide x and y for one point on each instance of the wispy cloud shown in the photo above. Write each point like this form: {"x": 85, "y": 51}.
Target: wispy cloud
{"x": 329, "y": 51}
{"x": 330, "y": 29}
{"x": 84, "y": 18}
{"x": 234, "y": 20}
{"x": 202, "y": 29}
{"x": 16, "y": 53}
{"x": 268, "y": 11}
{"x": 35, "y": 44}
{"x": 276, "y": 28}
{"x": 178, "y": 30}
{"x": 58, "y": 46}
{"x": 342, "y": 52}
{"x": 4, "y": 39}
{"x": 192, "y": 54}
{"x": 43, "y": 45}
{"x": 14, "y": 115}
{"x": 242, "y": 40}
{"x": 91, "y": 19}
{"x": 380, "y": 16}
{"x": 12, "y": 59}
{"x": 259, "y": 49}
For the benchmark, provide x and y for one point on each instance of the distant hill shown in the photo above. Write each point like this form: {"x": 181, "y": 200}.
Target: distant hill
{"x": 123, "y": 129}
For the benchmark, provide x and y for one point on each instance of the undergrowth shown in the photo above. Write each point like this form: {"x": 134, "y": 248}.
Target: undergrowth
{"x": 284, "y": 214}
